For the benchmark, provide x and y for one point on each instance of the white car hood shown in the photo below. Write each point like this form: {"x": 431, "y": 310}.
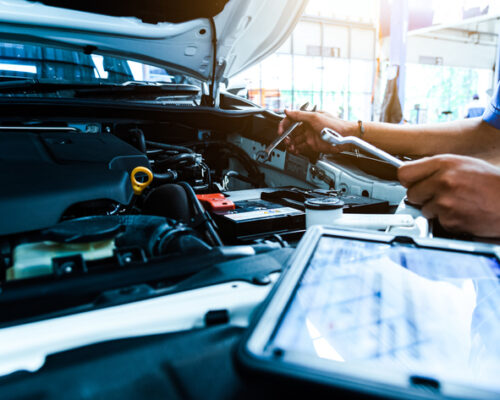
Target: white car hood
{"x": 247, "y": 31}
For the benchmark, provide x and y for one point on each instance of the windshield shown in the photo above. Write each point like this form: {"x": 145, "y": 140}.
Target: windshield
{"x": 20, "y": 61}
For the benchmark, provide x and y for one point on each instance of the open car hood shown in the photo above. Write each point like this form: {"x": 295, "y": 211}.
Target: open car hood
{"x": 158, "y": 32}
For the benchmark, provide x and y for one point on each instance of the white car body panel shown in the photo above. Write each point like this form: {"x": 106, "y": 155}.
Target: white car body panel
{"x": 247, "y": 31}
{"x": 25, "y": 347}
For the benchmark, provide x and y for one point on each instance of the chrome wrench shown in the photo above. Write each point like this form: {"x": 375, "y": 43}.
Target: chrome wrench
{"x": 264, "y": 155}
{"x": 335, "y": 138}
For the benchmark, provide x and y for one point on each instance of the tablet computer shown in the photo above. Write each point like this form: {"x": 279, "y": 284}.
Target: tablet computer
{"x": 377, "y": 314}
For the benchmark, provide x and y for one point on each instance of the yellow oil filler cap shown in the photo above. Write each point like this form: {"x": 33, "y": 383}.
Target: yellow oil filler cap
{"x": 137, "y": 186}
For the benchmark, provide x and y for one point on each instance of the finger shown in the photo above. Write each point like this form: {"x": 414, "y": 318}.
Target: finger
{"x": 448, "y": 218}
{"x": 283, "y": 125}
{"x": 321, "y": 146}
{"x": 299, "y": 135}
{"x": 296, "y": 138}
{"x": 430, "y": 210}
{"x": 415, "y": 171}
{"x": 300, "y": 116}
{"x": 297, "y": 130}
{"x": 286, "y": 122}
{"x": 300, "y": 138}
{"x": 424, "y": 190}
{"x": 301, "y": 148}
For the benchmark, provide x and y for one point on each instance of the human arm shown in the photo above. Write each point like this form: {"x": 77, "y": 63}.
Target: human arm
{"x": 472, "y": 137}
{"x": 462, "y": 192}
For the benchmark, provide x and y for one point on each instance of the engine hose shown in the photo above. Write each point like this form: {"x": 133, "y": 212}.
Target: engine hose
{"x": 199, "y": 210}
{"x": 169, "y": 176}
{"x": 163, "y": 146}
{"x": 178, "y": 159}
{"x": 137, "y": 139}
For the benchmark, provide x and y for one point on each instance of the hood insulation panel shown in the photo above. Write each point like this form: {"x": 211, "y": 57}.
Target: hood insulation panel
{"x": 149, "y": 11}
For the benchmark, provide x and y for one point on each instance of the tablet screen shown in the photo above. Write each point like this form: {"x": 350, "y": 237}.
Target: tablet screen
{"x": 428, "y": 312}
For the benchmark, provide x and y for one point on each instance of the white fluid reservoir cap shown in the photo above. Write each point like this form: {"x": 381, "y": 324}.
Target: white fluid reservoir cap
{"x": 322, "y": 210}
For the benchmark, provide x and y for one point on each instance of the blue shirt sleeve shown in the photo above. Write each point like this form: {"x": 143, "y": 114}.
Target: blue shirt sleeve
{"x": 492, "y": 112}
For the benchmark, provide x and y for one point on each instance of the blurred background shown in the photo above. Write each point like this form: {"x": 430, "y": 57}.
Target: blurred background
{"x": 438, "y": 58}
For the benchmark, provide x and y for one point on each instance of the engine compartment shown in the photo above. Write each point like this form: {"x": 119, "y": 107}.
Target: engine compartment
{"x": 72, "y": 216}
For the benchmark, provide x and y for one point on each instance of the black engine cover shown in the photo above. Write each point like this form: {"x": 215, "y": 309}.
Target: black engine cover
{"x": 43, "y": 174}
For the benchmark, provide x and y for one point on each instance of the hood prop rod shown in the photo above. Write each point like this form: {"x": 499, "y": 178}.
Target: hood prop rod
{"x": 210, "y": 100}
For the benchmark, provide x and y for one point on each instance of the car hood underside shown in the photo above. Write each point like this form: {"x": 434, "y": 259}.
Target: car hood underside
{"x": 174, "y": 34}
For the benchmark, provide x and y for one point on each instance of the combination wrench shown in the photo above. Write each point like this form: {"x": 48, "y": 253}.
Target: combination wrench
{"x": 265, "y": 155}
{"x": 335, "y": 138}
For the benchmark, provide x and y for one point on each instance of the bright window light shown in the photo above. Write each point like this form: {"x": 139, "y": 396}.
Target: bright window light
{"x": 137, "y": 70}
{"x": 30, "y": 69}
{"x": 99, "y": 64}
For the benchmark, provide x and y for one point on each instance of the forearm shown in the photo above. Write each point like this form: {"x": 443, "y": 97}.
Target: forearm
{"x": 471, "y": 137}
{"x": 466, "y": 137}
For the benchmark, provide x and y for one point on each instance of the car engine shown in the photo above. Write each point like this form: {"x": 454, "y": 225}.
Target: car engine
{"x": 105, "y": 200}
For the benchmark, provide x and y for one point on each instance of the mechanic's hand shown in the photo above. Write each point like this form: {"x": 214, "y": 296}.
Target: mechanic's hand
{"x": 463, "y": 192}
{"x": 308, "y": 138}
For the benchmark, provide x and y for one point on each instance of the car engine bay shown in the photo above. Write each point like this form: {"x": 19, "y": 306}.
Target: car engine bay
{"x": 125, "y": 225}
{"x": 90, "y": 199}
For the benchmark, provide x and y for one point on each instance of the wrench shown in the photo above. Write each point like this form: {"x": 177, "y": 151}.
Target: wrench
{"x": 335, "y": 138}
{"x": 264, "y": 155}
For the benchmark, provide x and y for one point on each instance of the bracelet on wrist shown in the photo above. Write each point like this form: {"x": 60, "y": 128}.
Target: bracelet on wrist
{"x": 361, "y": 129}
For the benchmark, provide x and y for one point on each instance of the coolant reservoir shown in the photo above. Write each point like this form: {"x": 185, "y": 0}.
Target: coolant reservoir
{"x": 35, "y": 259}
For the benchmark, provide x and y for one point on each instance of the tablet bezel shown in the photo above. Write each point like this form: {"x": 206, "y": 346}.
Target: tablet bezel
{"x": 255, "y": 354}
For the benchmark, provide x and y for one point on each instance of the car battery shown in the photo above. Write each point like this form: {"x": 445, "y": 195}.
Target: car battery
{"x": 258, "y": 218}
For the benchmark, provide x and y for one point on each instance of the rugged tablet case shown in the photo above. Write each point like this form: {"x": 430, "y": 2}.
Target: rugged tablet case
{"x": 319, "y": 384}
